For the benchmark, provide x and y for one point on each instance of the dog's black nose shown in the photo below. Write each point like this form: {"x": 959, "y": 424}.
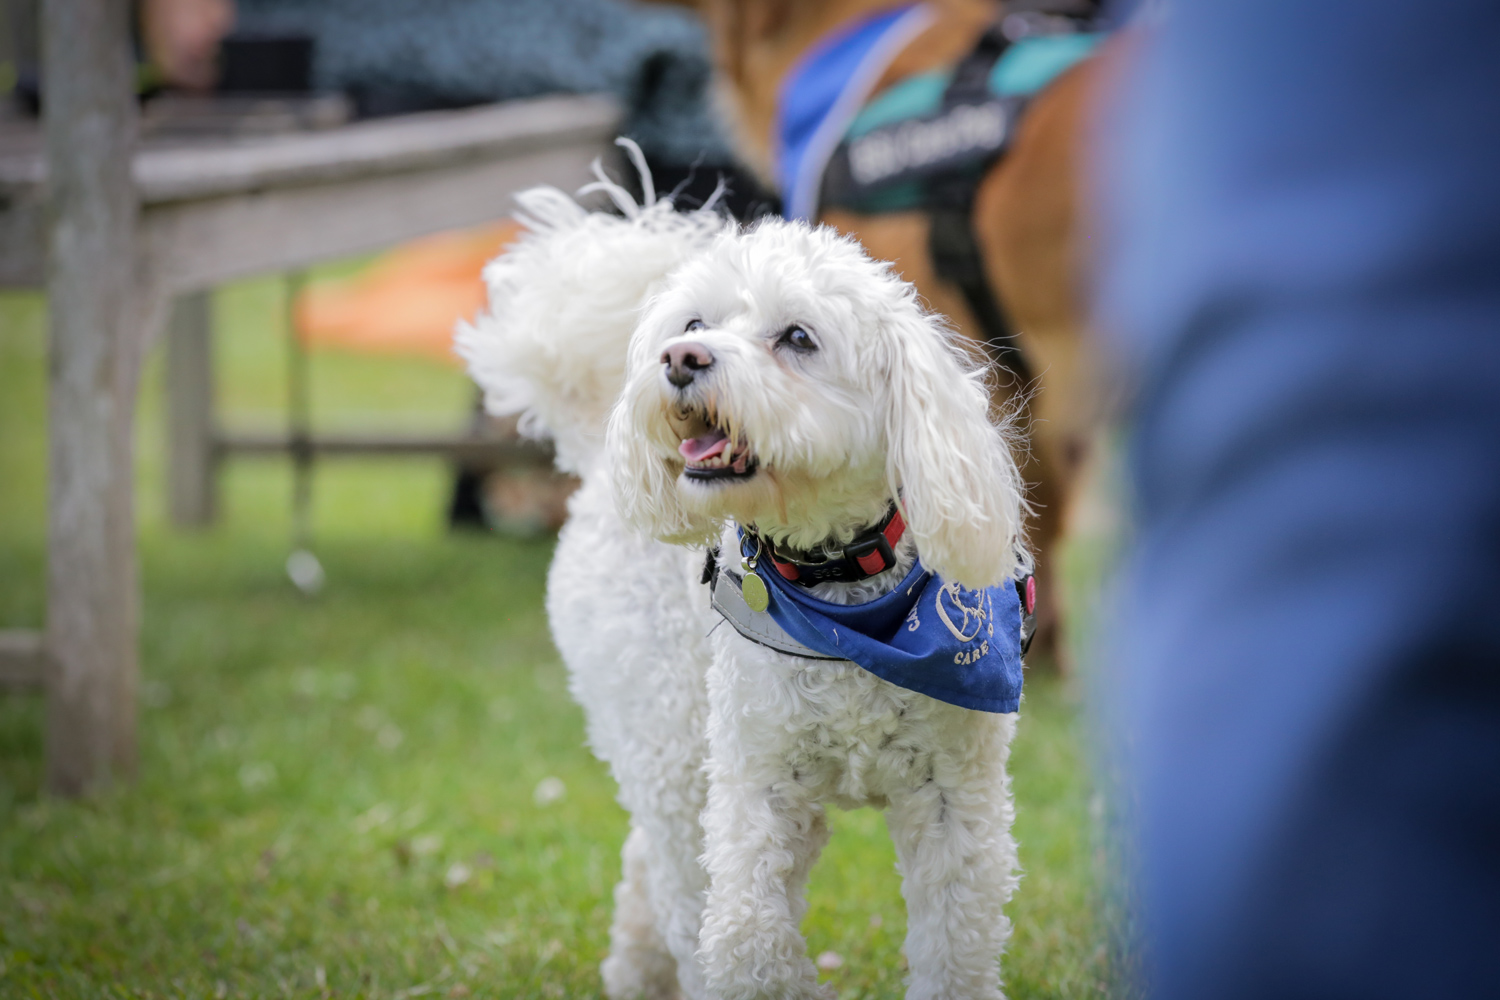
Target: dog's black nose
{"x": 684, "y": 361}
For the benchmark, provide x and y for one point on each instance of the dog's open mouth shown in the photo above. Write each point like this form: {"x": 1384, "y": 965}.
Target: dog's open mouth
{"x": 711, "y": 455}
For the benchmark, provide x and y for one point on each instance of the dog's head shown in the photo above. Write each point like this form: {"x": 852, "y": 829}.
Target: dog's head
{"x": 786, "y": 380}
{"x": 563, "y": 303}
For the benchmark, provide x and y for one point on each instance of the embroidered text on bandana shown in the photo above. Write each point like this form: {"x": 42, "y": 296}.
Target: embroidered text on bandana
{"x": 823, "y": 93}
{"x": 957, "y": 645}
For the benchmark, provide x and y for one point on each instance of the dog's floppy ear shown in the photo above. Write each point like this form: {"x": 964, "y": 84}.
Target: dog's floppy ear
{"x": 961, "y": 492}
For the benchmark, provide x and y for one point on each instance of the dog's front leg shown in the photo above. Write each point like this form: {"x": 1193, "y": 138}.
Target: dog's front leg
{"x": 761, "y": 839}
{"x": 958, "y": 869}
{"x": 639, "y": 966}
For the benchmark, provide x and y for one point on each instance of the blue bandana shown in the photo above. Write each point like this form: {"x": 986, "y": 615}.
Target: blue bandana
{"x": 823, "y": 93}
{"x": 957, "y": 645}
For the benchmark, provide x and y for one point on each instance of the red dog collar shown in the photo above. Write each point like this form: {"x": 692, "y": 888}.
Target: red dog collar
{"x": 871, "y": 552}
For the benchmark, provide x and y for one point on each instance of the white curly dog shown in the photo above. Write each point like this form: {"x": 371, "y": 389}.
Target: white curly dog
{"x": 701, "y": 378}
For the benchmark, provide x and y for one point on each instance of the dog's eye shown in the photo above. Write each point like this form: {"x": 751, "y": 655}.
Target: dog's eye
{"x": 798, "y": 339}
{"x": 695, "y": 324}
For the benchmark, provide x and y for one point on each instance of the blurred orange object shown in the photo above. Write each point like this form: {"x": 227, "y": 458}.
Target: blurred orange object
{"x": 407, "y": 300}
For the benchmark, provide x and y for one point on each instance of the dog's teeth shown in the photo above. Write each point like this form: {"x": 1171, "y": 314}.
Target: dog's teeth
{"x": 736, "y": 457}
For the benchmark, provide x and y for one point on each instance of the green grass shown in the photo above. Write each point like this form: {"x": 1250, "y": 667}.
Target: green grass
{"x": 336, "y": 795}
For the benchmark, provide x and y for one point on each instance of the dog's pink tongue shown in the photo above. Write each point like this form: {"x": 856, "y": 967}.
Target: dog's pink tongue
{"x": 705, "y": 446}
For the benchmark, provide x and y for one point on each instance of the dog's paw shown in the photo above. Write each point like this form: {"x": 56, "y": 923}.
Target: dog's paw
{"x": 793, "y": 982}
{"x": 635, "y": 976}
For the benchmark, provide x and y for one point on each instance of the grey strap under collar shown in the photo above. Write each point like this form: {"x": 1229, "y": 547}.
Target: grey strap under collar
{"x": 757, "y": 626}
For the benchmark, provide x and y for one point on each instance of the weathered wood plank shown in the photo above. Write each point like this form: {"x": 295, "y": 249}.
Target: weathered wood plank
{"x": 171, "y": 170}
{"x": 192, "y": 469}
{"x": 466, "y": 448}
{"x": 366, "y": 149}
{"x": 198, "y": 244}
{"x": 91, "y": 285}
{"x": 23, "y": 660}
{"x": 239, "y": 206}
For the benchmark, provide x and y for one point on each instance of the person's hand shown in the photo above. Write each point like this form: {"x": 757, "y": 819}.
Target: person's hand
{"x": 182, "y": 39}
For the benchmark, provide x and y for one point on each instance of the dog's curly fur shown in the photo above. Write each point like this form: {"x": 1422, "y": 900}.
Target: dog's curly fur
{"x": 725, "y": 751}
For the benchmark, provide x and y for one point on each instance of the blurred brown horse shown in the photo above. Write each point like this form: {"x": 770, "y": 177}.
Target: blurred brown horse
{"x": 1027, "y": 220}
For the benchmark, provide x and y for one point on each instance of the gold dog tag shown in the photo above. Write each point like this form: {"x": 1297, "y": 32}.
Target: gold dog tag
{"x": 753, "y": 589}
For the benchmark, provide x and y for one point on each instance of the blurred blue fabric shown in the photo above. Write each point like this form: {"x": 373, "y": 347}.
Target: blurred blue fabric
{"x": 1301, "y": 273}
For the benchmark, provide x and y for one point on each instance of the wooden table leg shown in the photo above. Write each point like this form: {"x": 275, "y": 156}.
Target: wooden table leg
{"x": 95, "y": 344}
{"x": 192, "y": 465}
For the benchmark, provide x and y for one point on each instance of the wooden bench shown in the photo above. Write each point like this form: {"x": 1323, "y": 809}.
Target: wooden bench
{"x": 117, "y": 232}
